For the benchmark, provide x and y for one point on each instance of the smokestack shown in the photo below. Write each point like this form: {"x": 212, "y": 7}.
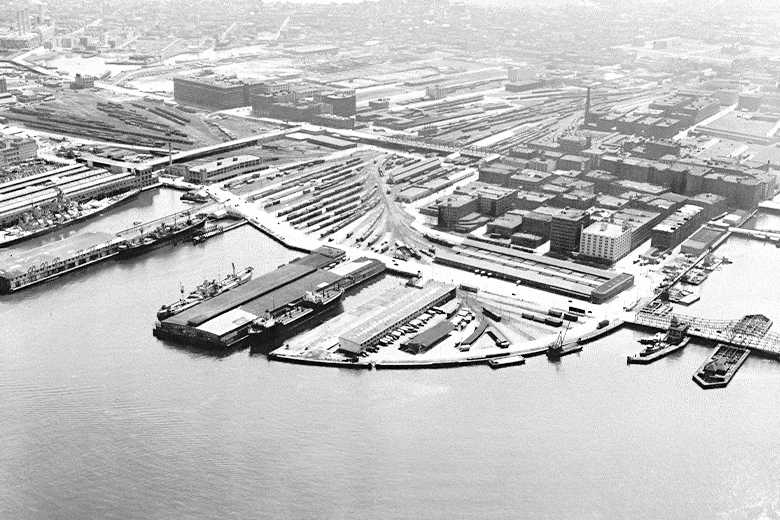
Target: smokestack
{"x": 26, "y": 20}
{"x": 19, "y": 21}
{"x": 587, "y": 107}
{"x": 41, "y": 13}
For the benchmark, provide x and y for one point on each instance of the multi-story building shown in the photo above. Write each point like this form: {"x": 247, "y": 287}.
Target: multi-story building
{"x": 16, "y": 150}
{"x": 215, "y": 91}
{"x": 606, "y": 240}
{"x": 674, "y": 229}
{"x": 495, "y": 201}
{"x": 566, "y": 229}
{"x": 455, "y": 208}
{"x": 222, "y": 169}
{"x": 82, "y": 82}
{"x": 342, "y": 104}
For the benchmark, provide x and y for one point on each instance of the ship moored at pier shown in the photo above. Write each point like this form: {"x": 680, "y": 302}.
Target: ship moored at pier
{"x": 163, "y": 234}
{"x": 273, "y": 306}
{"x": 40, "y": 222}
{"x": 205, "y": 291}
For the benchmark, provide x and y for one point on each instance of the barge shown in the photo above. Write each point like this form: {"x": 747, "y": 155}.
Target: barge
{"x": 720, "y": 367}
{"x": 558, "y": 349}
{"x": 506, "y": 361}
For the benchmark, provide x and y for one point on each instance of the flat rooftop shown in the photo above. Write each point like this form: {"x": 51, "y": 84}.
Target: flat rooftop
{"x": 260, "y": 286}
{"x": 19, "y": 263}
{"x": 373, "y": 324}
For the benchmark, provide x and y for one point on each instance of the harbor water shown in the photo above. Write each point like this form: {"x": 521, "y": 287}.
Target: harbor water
{"x": 102, "y": 420}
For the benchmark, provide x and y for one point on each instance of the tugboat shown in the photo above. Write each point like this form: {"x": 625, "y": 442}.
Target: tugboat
{"x": 161, "y": 235}
{"x": 662, "y": 344}
{"x": 279, "y": 325}
{"x": 205, "y": 291}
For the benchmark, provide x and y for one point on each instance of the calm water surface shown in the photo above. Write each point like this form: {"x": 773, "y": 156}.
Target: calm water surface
{"x": 98, "y": 419}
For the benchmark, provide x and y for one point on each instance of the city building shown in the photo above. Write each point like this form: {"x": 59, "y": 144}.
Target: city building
{"x": 674, "y": 229}
{"x": 566, "y": 229}
{"x": 15, "y": 150}
{"x": 82, "y": 82}
{"x": 606, "y": 240}
{"x": 506, "y": 225}
{"x": 495, "y": 201}
{"x": 455, "y": 208}
{"x": 219, "y": 170}
{"x": 215, "y": 92}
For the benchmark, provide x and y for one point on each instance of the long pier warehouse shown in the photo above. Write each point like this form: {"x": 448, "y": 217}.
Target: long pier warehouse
{"x": 560, "y": 276}
{"x": 225, "y": 320}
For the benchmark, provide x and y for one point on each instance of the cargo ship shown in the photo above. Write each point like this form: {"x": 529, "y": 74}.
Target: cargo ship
{"x": 205, "y": 291}
{"x": 160, "y": 236}
{"x": 63, "y": 213}
{"x": 272, "y": 330}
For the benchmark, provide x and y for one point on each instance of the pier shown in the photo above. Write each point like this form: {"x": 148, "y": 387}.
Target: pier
{"x": 749, "y": 332}
{"x": 758, "y": 234}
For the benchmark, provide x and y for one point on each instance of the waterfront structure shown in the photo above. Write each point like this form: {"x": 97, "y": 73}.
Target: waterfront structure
{"x": 225, "y": 320}
{"x": 368, "y": 331}
{"x": 549, "y": 274}
{"x": 74, "y": 182}
{"x": 42, "y": 263}
{"x": 219, "y": 170}
{"x": 426, "y": 340}
{"x": 606, "y": 240}
{"x": 215, "y": 92}
{"x": 15, "y": 150}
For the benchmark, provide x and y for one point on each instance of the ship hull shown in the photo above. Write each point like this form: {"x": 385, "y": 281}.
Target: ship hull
{"x": 172, "y": 310}
{"x": 266, "y": 340}
{"x": 62, "y": 225}
{"x": 183, "y": 233}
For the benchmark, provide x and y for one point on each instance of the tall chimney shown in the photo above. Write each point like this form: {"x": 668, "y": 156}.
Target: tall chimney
{"x": 587, "y": 107}
{"x": 19, "y": 21}
{"x": 26, "y": 20}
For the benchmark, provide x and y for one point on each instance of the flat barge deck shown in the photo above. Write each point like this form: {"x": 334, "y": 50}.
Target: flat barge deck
{"x": 720, "y": 367}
